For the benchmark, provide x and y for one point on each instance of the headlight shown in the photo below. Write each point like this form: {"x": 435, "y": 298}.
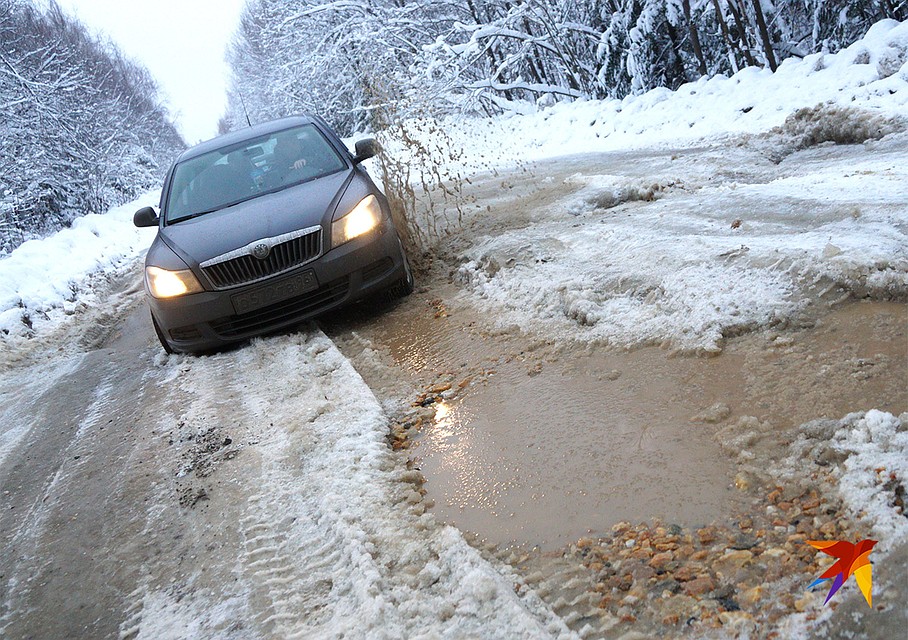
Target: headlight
{"x": 364, "y": 217}
{"x": 167, "y": 284}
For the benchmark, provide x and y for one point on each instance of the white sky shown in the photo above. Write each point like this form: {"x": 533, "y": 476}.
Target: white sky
{"x": 182, "y": 42}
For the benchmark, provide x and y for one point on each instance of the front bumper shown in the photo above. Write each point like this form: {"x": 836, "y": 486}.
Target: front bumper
{"x": 207, "y": 321}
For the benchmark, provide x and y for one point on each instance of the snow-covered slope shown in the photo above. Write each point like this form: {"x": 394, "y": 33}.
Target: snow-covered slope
{"x": 42, "y": 281}
{"x": 871, "y": 74}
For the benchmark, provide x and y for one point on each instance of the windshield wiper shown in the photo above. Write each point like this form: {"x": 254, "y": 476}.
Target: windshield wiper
{"x": 196, "y": 215}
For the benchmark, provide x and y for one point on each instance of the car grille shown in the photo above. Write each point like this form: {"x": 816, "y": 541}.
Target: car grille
{"x": 245, "y": 268}
{"x": 283, "y": 312}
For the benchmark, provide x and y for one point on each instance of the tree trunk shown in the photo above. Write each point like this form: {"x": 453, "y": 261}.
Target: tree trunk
{"x": 764, "y": 35}
{"x": 678, "y": 73}
{"x": 732, "y": 46}
{"x": 694, "y": 38}
{"x": 534, "y": 64}
{"x": 742, "y": 32}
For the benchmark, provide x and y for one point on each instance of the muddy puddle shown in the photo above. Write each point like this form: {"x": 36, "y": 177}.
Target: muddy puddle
{"x": 530, "y": 442}
{"x": 546, "y": 458}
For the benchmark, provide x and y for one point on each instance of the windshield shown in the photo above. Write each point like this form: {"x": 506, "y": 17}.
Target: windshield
{"x": 242, "y": 171}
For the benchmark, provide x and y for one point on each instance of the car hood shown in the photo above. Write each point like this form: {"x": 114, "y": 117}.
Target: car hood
{"x": 297, "y": 207}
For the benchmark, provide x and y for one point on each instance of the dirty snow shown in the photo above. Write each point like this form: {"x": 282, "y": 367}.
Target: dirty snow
{"x": 15, "y": 422}
{"x": 732, "y": 249}
{"x": 876, "y": 467}
{"x": 870, "y": 451}
{"x": 706, "y": 259}
{"x": 865, "y": 453}
{"x": 333, "y": 516}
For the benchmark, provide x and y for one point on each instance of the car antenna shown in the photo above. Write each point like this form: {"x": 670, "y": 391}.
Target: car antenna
{"x": 245, "y": 113}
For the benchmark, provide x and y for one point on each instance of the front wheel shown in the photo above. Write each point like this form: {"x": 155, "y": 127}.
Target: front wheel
{"x": 405, "y": 285}
{"x": 167, "y": 348}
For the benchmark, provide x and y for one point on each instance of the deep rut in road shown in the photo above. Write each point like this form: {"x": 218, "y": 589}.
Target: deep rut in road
{"x": 529, "y": 441}
{"x": 548, "y": 455}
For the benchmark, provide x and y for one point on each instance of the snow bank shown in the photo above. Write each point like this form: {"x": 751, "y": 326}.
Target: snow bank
{"x": 871, "y": 74}
{"x": 42, "y": 280}
{"x": 334, "y": 514}
{"x": 702, "y": 261}
{"x": 873, "y": 477}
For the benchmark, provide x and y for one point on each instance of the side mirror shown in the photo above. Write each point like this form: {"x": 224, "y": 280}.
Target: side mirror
{"x": 145, "y": 217}
{"x": 365, "y": 149}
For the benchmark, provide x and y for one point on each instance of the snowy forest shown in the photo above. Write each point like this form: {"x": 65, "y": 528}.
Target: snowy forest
{"x": 82, "y": 127}
{"x": 361, "y": 62}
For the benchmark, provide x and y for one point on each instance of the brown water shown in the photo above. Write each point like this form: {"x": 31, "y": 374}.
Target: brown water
{"x": 549, "y": 442}
{"x": 550, "y": 457}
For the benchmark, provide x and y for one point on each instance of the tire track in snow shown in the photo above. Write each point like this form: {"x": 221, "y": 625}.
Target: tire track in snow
{"x": 326, "y": 542}
{"x": 130, "y": 627}
{"x": 78, "y": 485}
{"x": 16, "y": 418}
{"x": 284, "y": 600}
{"x": 33, "y": 523}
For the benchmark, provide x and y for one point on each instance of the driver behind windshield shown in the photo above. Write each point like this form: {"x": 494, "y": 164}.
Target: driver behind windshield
{"x": 287, "y": 159}
{"x": 288, "y": 153}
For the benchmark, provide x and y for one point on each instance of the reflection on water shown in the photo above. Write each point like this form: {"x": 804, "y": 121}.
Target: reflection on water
{"x": 442, "y": 411}
{"x": 447, "y": 430}
{"x": 562, "y": 441}
{"x": 543, "y": 457}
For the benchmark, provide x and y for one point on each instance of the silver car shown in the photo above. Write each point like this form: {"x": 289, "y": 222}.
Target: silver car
{"x": 262, "y": 228}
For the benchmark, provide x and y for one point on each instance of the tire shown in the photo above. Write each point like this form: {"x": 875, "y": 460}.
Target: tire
{"x": 405, "y": 286}
{"x": 167, "y": 348}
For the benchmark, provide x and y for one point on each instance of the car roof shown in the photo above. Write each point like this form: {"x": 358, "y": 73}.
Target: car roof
{"x": 247, "y": 133}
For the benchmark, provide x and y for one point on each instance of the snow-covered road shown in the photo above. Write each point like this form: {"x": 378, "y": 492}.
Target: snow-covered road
{"x": 687, "y": 247}
{"x": 254, "y": 494}
{"x": 250, "y": 494}
{"x": 257, "y": 493}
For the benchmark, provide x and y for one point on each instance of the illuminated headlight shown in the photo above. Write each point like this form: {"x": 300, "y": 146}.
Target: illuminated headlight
{"x": 168, "y": 284}
{"x": 363, "y": 218}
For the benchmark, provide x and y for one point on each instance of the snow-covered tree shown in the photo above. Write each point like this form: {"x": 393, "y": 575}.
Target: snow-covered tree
{"x": 82, "y": 127}
{"x": 347, "y": 59}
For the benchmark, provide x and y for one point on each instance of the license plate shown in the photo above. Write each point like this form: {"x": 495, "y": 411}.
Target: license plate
{"x": 274, "y": 292}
